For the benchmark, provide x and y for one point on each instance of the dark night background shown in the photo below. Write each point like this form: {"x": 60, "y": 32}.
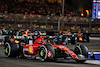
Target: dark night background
{"x": 76, "y": 4}
{"x": 80, "y": 4}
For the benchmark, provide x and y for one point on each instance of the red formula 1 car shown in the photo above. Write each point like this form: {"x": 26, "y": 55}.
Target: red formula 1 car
{"x": 43, "y": 49}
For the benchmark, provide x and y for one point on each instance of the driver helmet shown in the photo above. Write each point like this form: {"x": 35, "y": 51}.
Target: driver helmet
{"x": 79, "y": 31}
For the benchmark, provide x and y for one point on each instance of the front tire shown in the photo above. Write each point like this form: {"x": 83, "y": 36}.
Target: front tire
{"x": 82, "y": 52}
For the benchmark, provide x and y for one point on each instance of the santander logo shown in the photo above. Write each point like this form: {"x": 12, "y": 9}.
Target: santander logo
{"x": 49, "y": 54}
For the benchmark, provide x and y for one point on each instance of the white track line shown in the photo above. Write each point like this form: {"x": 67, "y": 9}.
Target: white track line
{"x": 93, "y": 62}
{"x": 94, "y": 38}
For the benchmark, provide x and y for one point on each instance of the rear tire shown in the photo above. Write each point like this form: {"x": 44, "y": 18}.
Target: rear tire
{"x": 7, "y": 49}
{"x": 11, "y": 49}
{"x": 81, "y": 50}
{"x": 43, "y": 53}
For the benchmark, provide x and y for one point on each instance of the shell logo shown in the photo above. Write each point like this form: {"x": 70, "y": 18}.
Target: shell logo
{"x": 31, "y": 49}
{"x": 80, "y": 39}
{"x": 17, "y": 41}
{"x": 65, "y": 48}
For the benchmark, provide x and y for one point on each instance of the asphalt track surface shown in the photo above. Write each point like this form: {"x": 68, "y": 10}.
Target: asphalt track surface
{"x": 93, "y": 45}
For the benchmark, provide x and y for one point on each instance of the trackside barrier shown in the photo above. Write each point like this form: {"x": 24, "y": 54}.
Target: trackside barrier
{"x": 96, "y": 56}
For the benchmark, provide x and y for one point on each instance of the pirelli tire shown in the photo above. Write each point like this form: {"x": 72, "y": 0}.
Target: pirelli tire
{"x": 43, "y": 52}
{"x": 81, "y": 50}
{"x": 11, "y": 49}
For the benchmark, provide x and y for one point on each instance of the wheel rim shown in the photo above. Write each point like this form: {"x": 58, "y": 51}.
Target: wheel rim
{"x": 7, "y": 49}
{"x": 43, "y": 52}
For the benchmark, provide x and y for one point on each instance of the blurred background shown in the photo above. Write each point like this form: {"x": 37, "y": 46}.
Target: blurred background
{"x": 47, "y": 15}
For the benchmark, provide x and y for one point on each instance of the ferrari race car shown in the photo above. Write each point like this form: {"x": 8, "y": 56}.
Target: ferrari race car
{"x": 43, "y": 49}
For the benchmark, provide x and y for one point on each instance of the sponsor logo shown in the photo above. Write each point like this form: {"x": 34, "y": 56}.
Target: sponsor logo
{"x": 31, "y": 49}
{"x": 22, "y": 37}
